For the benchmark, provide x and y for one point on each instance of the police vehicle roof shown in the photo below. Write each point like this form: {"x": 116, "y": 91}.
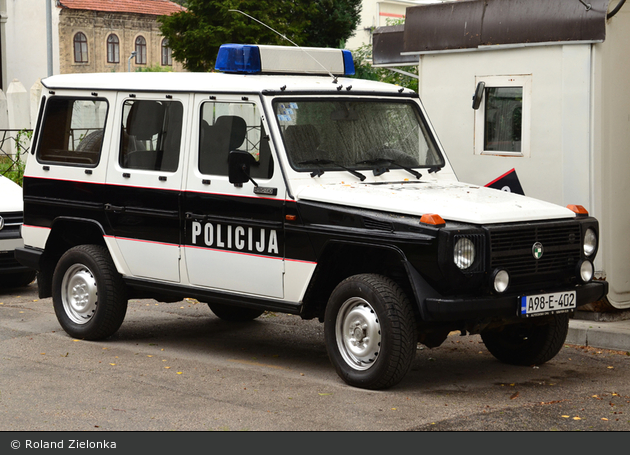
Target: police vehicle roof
{"x": 214, "y": 82}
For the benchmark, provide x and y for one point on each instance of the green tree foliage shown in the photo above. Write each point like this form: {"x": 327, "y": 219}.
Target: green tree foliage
{"x": 334, "y": 23}
{"x": 196, "y": 34}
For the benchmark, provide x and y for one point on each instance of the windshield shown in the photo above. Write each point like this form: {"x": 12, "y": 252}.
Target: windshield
{"x": 321, "y": 135}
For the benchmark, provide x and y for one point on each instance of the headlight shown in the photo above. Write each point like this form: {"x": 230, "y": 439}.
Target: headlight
{"x": 590, "y": 242}
{"x": 586, "y": 271}
{"x": 500, "y": 280}
{"x": 464, "y": 253}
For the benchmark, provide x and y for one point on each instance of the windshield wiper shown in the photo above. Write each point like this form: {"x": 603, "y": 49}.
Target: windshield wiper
{"x": 382, "y": 170}
{"x": 435, "y": 169}
{"x": 320, "y": 172}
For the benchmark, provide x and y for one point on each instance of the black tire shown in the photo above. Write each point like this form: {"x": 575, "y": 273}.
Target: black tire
{"x": 370, "y": 331}
{"x": 89, "y": 295}
{"x": 528, "y": 343}
{"x": 234, "y": 313}
{"x": 17, "y": 280}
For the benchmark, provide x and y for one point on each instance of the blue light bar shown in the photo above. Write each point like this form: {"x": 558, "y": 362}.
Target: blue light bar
{"x": 348, "y": 63}
{"x": 254, "y": 59}
{"x": 238, "y": 58}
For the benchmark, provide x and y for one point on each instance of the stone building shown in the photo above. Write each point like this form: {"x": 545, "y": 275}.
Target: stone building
{"x": 101, "y": 35}
{"x": 39, "y": 38}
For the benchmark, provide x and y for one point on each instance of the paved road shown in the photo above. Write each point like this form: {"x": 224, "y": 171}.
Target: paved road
{"x": 176, "y": 366}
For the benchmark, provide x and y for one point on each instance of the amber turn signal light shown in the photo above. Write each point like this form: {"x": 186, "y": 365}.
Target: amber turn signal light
{"x": 578, "y": 209}
{"x": 432, "y": 219}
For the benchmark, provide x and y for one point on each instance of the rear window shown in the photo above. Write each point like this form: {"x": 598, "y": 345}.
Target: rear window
{"x": 72, "y": 131}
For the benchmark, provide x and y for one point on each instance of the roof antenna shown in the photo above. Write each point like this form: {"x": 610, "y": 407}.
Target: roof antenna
{"x": 284, "y": 37}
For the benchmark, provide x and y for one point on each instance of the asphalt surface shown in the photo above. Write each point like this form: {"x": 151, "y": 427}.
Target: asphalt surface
{"x": 176, "y": 367}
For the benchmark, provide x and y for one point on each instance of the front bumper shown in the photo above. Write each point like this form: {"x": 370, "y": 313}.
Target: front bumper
{"x": 508, "y": 306}
{"x": 9, "y": 242}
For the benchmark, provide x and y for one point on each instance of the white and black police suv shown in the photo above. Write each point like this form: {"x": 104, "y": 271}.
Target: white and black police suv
{"x": 279, "y": 184}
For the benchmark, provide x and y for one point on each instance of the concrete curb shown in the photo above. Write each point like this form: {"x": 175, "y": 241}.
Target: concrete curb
{"x": 606, "y": 335}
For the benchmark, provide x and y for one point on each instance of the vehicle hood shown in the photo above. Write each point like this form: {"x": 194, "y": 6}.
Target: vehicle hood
{"x": 10, "y": 196}
{"x": 453, "y": 201}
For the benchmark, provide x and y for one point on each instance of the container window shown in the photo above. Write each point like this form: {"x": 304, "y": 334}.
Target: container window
{"x": 502, "y": 120}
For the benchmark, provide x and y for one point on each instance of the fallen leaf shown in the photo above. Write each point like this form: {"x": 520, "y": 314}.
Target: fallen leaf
{"x": 515, "y": 395}
{"x": 324, "y": 394}
{"x": 566, "y": 417}
{"x": 604, "y": 418}
{"x": 577, "y": 418}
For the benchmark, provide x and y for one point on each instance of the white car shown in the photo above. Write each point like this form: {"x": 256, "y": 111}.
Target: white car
{"x": 12, "y": 273}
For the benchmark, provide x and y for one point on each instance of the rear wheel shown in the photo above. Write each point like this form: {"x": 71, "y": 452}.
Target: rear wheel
{"x": 89, "y": 295}
{"x": 370, "y": 331}
{"x": 528, "y": 343}
{"x": 234, "y": 313}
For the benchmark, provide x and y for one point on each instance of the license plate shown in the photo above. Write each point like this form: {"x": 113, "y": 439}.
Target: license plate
{"x": 537, "y": 305}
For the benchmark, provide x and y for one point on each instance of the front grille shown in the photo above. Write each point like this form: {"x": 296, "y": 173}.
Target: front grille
{"x": 12, "y": 218}
{"x": 12, "y": 222}
{"x": 511, "y": 249}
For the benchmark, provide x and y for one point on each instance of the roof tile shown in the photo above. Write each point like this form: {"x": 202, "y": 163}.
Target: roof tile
{"x": 153, "y": 7}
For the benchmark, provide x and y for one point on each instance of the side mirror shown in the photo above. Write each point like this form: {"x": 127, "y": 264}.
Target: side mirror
{"x": 478, "y": 96}
{"x": 239, "y": 164}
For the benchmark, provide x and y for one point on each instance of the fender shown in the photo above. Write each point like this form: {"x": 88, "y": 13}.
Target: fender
{"x": 342, "y": 259}
{"x": 66, "y": 232}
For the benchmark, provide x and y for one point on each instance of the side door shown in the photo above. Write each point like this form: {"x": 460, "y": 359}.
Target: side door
{"x": 144, "y": 180}
{"x": 234, "y": 236}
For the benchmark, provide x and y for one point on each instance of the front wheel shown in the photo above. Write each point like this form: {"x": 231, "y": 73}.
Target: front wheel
{"x": 89, "y": 295}
{"x": 528, "y": 343}
{"x": 17, "y": 280}
{"x": 370, "y": 331}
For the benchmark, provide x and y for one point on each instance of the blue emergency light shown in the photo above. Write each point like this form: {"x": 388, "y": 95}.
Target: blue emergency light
{"x": 258, "y": 59}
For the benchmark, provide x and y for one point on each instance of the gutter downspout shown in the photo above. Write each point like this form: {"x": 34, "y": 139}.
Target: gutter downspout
{"x": 3, "y": 45}
{"x": 49, "y": 37}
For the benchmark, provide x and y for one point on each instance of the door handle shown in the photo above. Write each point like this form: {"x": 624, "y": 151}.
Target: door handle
{"x": 114, "y": 208}
{"x": 196, "y": 217}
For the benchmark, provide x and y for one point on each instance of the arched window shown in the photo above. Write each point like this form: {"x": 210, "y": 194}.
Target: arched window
{"x": 80, "y": 48}
{"x": 167, "y": 59}
{"x": 141, "y": 51}
{"x": 113, "y": 49}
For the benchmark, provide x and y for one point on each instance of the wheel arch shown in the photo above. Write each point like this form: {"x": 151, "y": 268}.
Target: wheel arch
{"x": 65, "y": 233}
{"x": 340, "y": 260}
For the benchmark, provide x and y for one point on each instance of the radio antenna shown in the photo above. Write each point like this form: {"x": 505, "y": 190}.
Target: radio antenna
{"x": 284, "y": 37}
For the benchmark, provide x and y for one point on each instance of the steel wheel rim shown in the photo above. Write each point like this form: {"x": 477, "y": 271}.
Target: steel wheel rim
{"x": 358, "y": 334}
{"x": 79, "y": 294}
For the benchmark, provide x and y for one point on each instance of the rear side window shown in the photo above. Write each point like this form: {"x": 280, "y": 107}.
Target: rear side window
{"x": 72, "y": 131}
{"x": 151, "y": 135}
